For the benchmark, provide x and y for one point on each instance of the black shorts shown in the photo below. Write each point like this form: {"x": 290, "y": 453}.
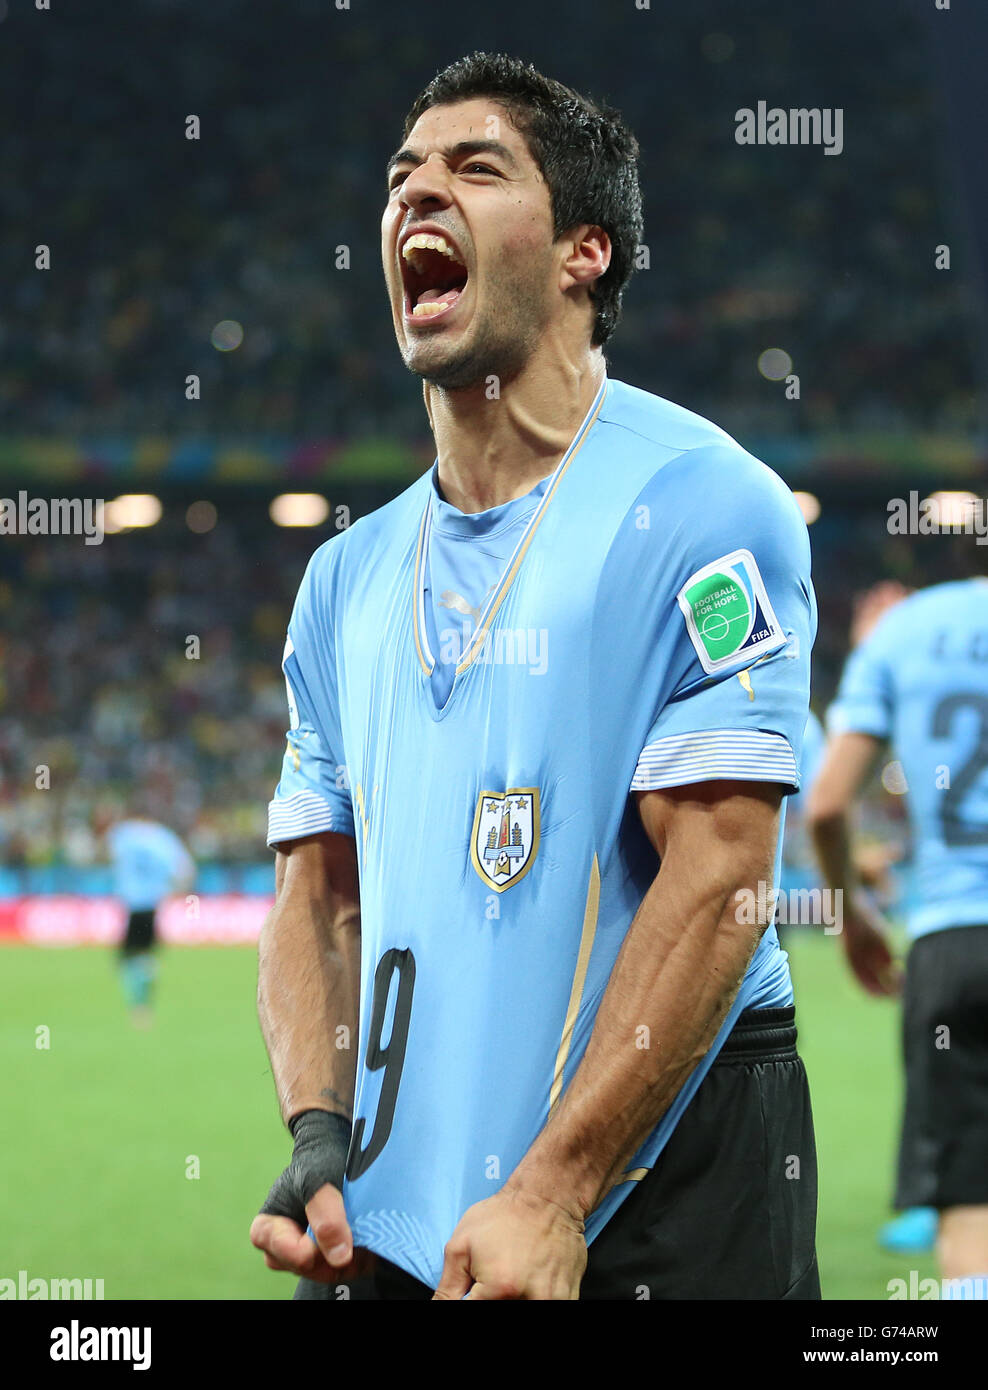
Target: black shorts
{"x": 728, "y": 1211}
{"x": 943, "y": 1155}
{"x": 139, "y": 935}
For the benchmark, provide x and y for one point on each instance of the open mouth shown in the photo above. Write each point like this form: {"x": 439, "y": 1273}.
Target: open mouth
{"x": 433, "y": 274}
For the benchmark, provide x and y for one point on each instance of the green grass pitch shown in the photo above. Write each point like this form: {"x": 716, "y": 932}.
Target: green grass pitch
{"x": 102, "y": 1127}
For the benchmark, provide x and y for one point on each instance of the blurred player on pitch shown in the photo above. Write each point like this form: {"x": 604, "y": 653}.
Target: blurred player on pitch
{"x": 149, "y": 863}
{"x": 919, "y": 681}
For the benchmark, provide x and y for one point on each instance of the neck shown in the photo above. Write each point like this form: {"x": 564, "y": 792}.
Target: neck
{"x": 494, "y": 450}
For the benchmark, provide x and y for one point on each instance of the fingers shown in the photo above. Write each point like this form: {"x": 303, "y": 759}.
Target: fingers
{"x": 869, "y": 975}
{"x": 327, "y": 1256}
{"x": 878, "y": 972}
{"x": 286, "y": 1247}
{"x": 859, "y": 961}
{"x": 456, "y": 1281}
{"x": 330, "y": 1228}
{"x": 485, "y": 1293}
{"x": 872, "y": 972}
{"x": 884, "y": 970}
{"x": 892, "y": 980}
{"x": 552, "y": 1288}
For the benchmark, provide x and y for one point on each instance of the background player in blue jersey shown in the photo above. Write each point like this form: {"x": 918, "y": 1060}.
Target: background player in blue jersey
{"x": 919, "y": 682}
{"x": 914, "y": 1230}
{"x": 149, "y": 862}
{"x": 527, "y": 1036}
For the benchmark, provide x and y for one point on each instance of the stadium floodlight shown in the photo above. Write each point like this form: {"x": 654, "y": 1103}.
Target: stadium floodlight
{"x": 299, "y": 509}
{"x": 808, "y": 505}
{"x": 130, "y": 510}
{"x": 952, "y": 508}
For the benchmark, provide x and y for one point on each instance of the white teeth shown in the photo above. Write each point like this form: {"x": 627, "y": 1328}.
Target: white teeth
{"x": 434, "y": 306}
{"x": 422, "y": 241}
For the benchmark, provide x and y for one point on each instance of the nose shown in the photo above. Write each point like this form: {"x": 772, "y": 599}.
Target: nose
{"x": 426, "y": 187}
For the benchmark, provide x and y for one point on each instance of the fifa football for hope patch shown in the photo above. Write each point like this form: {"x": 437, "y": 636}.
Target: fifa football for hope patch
{"x": 728, "y": 612}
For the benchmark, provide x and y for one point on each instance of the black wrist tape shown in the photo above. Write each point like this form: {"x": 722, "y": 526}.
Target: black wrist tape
{"x": 322, "y": 1142}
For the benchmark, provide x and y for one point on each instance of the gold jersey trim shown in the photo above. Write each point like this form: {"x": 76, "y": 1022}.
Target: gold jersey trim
{"x": 426, "y": 659}
{"x": 579, "y": 980}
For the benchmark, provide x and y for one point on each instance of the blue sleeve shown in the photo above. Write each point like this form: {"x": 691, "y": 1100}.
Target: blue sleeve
{"x": 745, "y": 617}
{"x": 814, "y": 747}
{"x": 863, "y": 704}
{"x": 313, "y": 794}
{"x": 180, "y": 860}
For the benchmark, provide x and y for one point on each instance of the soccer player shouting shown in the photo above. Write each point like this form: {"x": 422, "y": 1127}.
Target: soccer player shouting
{"x": 545, "y": 707}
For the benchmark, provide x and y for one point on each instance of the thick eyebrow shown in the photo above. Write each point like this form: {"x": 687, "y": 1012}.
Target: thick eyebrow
{"x": 460, "y": 150}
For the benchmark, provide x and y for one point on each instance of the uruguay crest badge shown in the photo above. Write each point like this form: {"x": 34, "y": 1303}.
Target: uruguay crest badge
{"x": 505, "y": 837}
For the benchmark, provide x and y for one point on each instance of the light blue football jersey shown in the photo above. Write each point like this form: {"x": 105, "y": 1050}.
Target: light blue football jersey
{"x": 149, "y": 861}
{"x": 468, "y": 553}
{"x": 665, "y": 573}
{"x": 920, "y": 680}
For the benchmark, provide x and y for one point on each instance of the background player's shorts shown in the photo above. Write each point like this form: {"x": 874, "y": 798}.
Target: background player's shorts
{"x": 728, "y": 1211}
{"x": 139, "y": 935}
{"x": 943, "y": 1156}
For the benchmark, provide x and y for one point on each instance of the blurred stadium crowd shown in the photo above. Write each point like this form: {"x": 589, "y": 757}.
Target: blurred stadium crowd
{"x": 156, "y": 239}
{"x": 96, "y": 684}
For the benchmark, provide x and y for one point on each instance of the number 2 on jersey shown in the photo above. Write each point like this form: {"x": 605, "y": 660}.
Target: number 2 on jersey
{"x": 956, "y": 829}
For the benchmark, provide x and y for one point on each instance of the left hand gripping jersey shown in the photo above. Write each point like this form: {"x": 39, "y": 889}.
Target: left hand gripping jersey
{"x": 665, "y": 576}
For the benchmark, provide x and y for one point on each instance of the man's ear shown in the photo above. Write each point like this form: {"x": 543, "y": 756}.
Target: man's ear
{"x": 588, "y": 255}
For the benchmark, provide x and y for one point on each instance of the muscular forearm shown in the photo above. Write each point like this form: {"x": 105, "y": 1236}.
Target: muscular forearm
{"x": 672, "y": 985}
{"x": 309, "y": 983}
{"x": 849, "y": 758}
{"x": 832, "y": 843}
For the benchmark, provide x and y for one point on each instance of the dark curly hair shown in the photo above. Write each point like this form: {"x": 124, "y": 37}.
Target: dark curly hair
{"x": 586, "y": 154}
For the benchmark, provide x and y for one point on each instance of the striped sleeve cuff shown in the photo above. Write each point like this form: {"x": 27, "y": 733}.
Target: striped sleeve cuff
{"x": 303, "y": 813}
{"x": 742, "y": 755}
